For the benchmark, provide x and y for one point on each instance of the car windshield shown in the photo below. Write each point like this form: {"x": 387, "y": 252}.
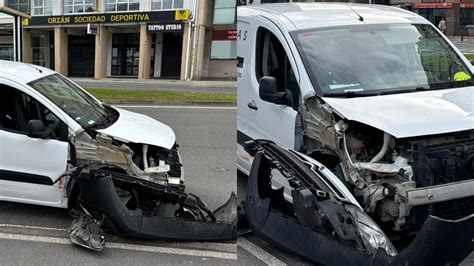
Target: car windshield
{"x": 379, "y": 59}
{"x": 87, "y": 111}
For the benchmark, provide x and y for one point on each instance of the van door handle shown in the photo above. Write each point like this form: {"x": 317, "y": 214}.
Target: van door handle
{"x": 252, "y": 105}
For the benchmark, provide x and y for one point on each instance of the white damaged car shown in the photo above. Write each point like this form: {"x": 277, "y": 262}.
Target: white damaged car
{"x": 61, "y": 147}
{"x": 361, "y": 117}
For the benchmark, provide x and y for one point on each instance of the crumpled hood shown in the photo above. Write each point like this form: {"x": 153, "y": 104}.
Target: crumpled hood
{"x": 138, "y": 128}
{"x": 411, "y": 114}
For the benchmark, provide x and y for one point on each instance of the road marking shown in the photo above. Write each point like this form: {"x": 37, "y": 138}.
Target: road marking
{"x": 178, "y": 107}
{"x": 123, "y": 246}
{"x": 32, "y": 227}
{"x": 258, "y": 252}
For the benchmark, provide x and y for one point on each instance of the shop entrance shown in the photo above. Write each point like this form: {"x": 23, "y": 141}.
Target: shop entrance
{"x": 433, "y": 15}
{"x": 81, "y": 54}
{"x": 171, "y": 55}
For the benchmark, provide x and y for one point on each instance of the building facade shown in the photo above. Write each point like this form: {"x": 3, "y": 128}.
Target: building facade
{"x": 128, "y": 38}
{"x": 459, "y": 14}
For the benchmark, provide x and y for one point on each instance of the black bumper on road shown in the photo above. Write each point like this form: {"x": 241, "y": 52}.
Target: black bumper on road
{"x": 98, "y": 194}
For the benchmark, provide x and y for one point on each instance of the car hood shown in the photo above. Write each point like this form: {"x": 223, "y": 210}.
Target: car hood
{"x": 411, "y": 114}
{"x": 138, "y": 128}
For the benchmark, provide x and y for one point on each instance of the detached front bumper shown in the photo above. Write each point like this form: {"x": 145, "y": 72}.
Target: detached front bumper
{"x": 439, "y": 242}
{"x": 100, "y": 195}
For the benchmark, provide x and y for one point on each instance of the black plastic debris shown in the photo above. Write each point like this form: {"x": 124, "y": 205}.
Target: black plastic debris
{"x": 86, "y": 231}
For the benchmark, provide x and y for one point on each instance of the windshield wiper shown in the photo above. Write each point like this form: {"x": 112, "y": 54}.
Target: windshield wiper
{"x": 350, "y": 94}
{"x": 406, "y": 91}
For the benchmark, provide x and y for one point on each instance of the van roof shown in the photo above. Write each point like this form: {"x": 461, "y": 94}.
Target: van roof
{"x": 21, "y": 72}
{"x": 296, "y": 16}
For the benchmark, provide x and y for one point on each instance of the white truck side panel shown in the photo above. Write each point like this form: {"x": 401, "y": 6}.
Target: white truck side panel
{"x": 270, "y": 121}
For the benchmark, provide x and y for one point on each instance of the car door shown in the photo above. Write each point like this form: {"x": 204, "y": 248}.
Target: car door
{"x": 259, "y": 119}
{"x": 30, "y": 167}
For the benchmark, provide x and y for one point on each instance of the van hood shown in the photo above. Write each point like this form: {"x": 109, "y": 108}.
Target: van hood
{"x": 411, "y": 114}
{"x": 142, "y": 129}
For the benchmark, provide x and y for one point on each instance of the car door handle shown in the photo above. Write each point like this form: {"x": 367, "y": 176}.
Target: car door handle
{"x": 252, "y": 106}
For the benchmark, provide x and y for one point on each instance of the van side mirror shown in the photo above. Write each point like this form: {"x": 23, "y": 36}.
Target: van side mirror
{"x": 268, "y": 91}
{"x": 36, "y": 129}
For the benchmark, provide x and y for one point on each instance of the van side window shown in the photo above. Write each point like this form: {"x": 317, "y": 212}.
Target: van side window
{"x": 272, "y": 61}
{"x": 18, "y": 108}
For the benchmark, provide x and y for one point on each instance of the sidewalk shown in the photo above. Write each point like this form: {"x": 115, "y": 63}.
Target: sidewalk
{"x": 208, "y": 86}
{"x": 466, "y": 46}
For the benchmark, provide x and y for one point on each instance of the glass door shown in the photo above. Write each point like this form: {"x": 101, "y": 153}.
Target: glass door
{"x": 125, "y": 54}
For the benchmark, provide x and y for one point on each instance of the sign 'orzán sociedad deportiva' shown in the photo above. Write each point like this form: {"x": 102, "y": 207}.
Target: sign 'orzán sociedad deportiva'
{"x": 135, "y": 17}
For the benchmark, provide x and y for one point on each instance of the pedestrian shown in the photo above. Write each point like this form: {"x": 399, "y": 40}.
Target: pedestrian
{"x": 442, "y": 25}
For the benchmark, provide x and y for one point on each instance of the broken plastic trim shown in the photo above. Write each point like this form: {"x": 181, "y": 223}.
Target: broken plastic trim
{"x": 192, "y": 220}
{"x": 439, "y": 242}
{"x": 86, "y": 231}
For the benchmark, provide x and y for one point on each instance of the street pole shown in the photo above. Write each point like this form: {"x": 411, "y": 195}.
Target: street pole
{"x": 193, "y": 54}
{"x": 14, "y": 40}
{"x": 191, "y": 34}
{"x": 17, "y": 39}
{"x": 19, "y": 36}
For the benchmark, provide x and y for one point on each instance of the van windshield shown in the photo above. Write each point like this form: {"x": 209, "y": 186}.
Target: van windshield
{"x": 80, "y": 106}
{"x": 378, "y": 59}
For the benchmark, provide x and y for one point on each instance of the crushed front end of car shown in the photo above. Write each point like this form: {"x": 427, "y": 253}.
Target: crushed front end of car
{"x": 136, "y": 190}
{"x": 323, "y": 222}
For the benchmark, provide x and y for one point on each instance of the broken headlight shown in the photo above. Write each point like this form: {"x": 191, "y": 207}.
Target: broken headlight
{"x": 371, "y": 234}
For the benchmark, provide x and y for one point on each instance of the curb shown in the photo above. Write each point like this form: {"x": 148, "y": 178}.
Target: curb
{"x": 202, "y": 103}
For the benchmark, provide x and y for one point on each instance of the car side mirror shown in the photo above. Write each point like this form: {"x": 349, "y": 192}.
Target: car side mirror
{"x": 36, "y": 129}
{"x": 268, "y": 91}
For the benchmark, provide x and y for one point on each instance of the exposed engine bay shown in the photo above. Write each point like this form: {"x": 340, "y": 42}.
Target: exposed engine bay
{"x": 399, "y": 182}
{"x": 144, "y": 161}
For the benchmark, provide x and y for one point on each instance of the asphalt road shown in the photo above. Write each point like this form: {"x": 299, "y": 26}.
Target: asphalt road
{"x": 37, "y": 235}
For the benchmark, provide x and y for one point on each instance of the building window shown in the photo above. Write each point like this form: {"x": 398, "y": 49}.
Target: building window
{"x": 224, "y": 12}
{"x": 38, "y": 49}
{"x": 125, "y": 54}
{"x": 42, "y": 7}
{"x": 20, "y": 5}
{"x": 224, "y": 50}
{"x": 78, "y": 6}
{"x": 166, "y": 4}
{"x": 6, "y": 52}
{"x": 434, "y": 15}
{"x": 467, "y": 16}
{"x": 122, "y": 5}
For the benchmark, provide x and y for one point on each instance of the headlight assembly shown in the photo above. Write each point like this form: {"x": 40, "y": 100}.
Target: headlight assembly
{"x": 371, "y": 234}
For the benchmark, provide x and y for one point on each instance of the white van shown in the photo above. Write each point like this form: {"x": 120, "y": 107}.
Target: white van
{"x": 61, "y": 147}
{"x": 375, "y": 94}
